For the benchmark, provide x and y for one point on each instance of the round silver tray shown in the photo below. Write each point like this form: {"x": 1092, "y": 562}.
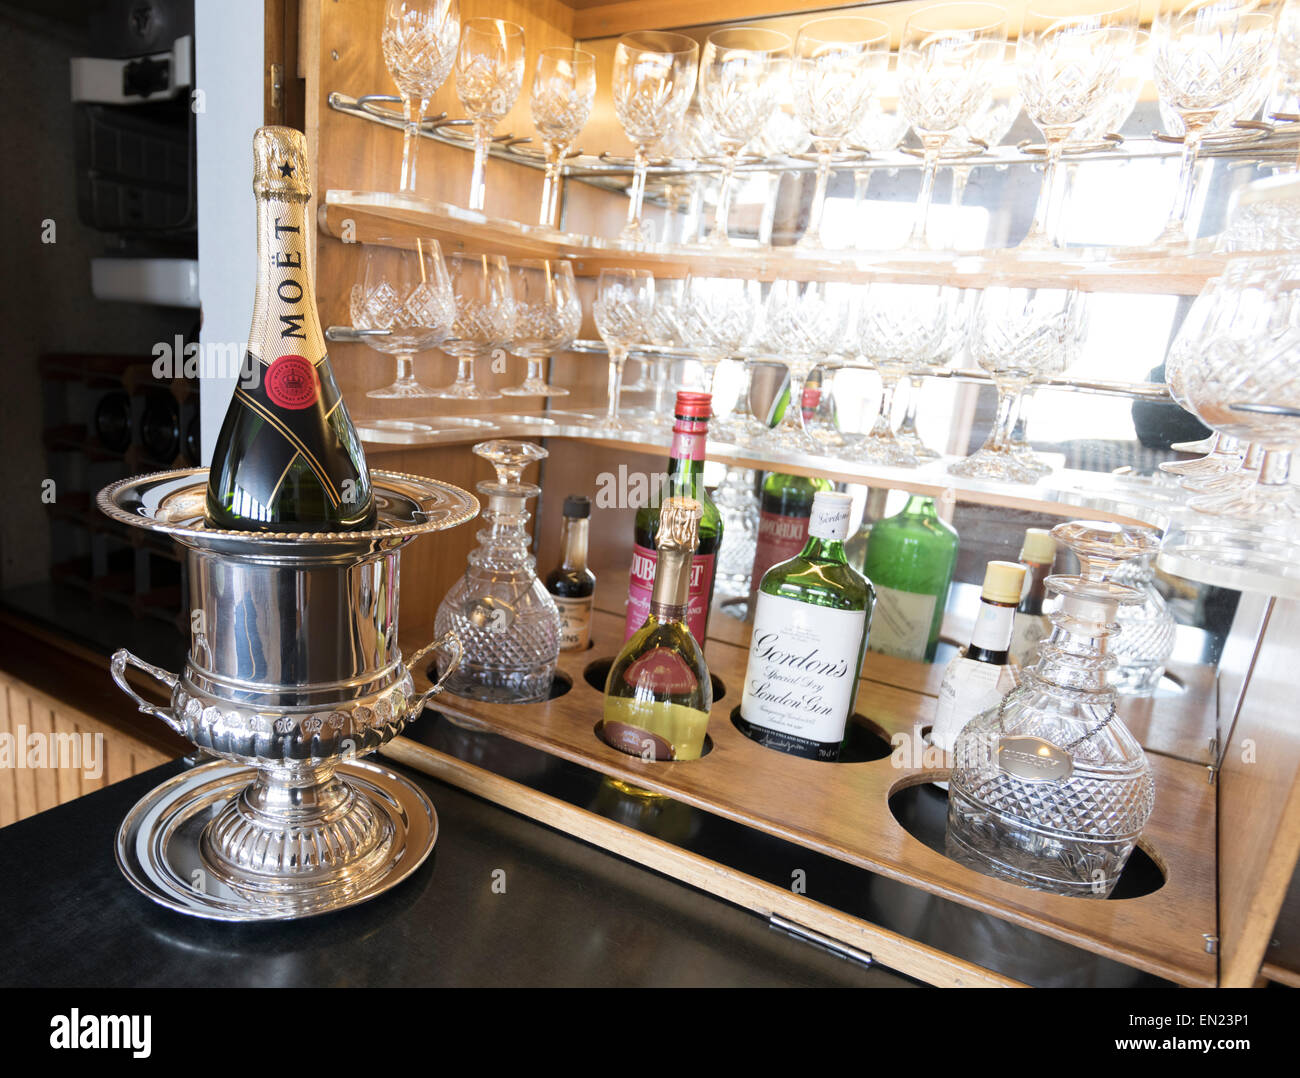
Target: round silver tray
{"x": 158, "y": 846}
{"x": 172, "y": 503}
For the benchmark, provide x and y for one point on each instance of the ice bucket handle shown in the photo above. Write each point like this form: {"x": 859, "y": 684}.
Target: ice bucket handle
{"x": 448, "y": 640}
{"x": 118, "y": 669}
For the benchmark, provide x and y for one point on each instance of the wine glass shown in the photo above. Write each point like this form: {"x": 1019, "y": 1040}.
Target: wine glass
{"x": 485, "y": 318}
{"x": 900, "y": 327}
{"x": 1070, "y": 54}
{"x": 741, "y": 71}
{"x": 654, "y": 79}
{"x": 624, "y": 302}
{"x": 1016, "y": 334}
{"x": 419, "y": 42}
{"x": 718, "y": 316}
{"x": 837, "y": 64}
{"x": 946, "y": 62}
{"x": 564, "y": 89}
{"x": 489, "y": 75}
{"x": 985, "y": 130}
{"x": 548, "y": 316}
{"x": 804, "y": 323}
{"x": 1207, "y": 54}
{"x": 403, "y": 289}
{"x": 949, "y": 347}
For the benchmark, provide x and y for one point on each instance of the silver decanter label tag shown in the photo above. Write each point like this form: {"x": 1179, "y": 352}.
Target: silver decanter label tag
{"x": 1033, "y": 759}
{"x": 490, "y": 613}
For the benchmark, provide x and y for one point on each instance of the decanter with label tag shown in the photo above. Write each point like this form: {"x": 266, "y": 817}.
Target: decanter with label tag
{"x": 1049, "y": 789}
{"x": 505, "y": 618}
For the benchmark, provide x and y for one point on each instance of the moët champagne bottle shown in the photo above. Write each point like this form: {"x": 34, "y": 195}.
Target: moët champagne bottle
{"x": 287, "y": 458}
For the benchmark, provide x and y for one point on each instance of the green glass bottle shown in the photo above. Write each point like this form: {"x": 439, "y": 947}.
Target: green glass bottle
{"x": 783, "y": 515}
{"x": 287, "y": 458}
{"x": 685, "y": 480}
{"x": 855, "y": 546}
{"x": 810, "y": 634}
{"x": 910, "y": 559}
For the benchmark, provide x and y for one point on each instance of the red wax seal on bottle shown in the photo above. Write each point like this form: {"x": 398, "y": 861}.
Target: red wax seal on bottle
{"x": 291, "y": 382}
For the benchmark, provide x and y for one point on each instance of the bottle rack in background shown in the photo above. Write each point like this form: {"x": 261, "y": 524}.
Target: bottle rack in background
{"x": 107, "y": 417}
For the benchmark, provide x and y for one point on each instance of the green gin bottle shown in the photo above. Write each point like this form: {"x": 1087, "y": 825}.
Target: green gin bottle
{"x": 810, "y": 632}
{"x": 910, "y": 559}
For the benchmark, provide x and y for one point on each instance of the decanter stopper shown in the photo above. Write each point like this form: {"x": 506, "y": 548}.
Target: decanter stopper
{"x": 1092, "y": 597}
{"x": 510, "y": 459}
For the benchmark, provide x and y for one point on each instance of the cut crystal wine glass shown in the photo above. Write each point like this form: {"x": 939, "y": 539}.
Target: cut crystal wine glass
{"x": 1016, "y": 335}
{"x": 485, "y": 319}
{"x": 741, "y": 71}
{"x": 837, "y": 64}
{"x": 900, "y": 327}
{"x": 548, "y": 316}
{"x": 505, "y": 618}
{"x": 622, "y": 310}
{"x": 489, "y": 76}
{"x": 718, "y": 316}
{"x": 1070, "y": 54}
{"x": 403, "y": 289}
{"x": 804, "y": 322}
{"x": 564, "y": 89}
{"x": 419, "y": 41}
{"x": 1147, "y": 630}
{"x": 946, "y": 63}
{"x": 654, "y": 80}
{"x": 1207, "y": 54}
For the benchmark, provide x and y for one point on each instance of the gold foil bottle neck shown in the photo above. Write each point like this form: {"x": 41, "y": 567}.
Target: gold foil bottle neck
{"x": 679, "y": 524}
{"x": 280, "y": 164}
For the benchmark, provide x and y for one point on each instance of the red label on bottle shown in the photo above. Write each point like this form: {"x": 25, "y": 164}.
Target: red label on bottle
{"x": 641, "y": 584}
{"x": 779, "y": 539}
{"x": 688, "y": 445}
{"x": 292, "y": 383}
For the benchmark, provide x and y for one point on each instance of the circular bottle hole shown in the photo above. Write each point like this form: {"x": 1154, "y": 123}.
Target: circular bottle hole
{"x": 921, "y": 809}
{"x": 560, "y": 684}
{"x": 864, "y": 741}
{"x": 596, "y": 673}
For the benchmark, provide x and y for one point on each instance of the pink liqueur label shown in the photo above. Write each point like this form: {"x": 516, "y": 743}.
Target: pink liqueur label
{"x": 640, "y": 586}
{"x": 688, "y": 445}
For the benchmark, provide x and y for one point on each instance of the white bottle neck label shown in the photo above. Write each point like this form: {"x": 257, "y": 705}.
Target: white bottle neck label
{"x": 993, "y": 627}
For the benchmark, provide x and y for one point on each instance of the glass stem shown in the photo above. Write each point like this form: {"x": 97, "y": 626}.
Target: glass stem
{"x": 477, "y": 179}
{"x": 1177, "y": 226}
{"x": 1022, "y": 417}
{"x": 723, "y": 209}
{"x": 930, "y": 169}
{"x": 1274, "y": 472}
{"x": 813, "y": 234}
{"x": 792, "y": 420}
{"x": 550, "y": 184}
{"x": 908, "y": 426}
{"x": 413, "y": 114}
{"x": 405, "y": 369}
{"x": 465, "y": 370}
{"x": 534, "y": 371}
{"x": 641, "y": 162}
{"x": 1008, "y": 404}
{"x": 884, "y": 425}
{"x": 1042, "y": 230}
{"x": 617, "y": 357}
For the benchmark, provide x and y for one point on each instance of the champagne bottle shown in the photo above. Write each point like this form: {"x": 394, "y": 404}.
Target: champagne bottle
{"x": 571, "y": 584}
{"x": 1032, "y": 626}
{"x": 783, "y": 516}
{"x": 685, "y": 480}
{"x": 910, "y": 559}
{"x": 287, "y": 457}
{"x": 810, "y": 635}
{"x": 658, "y": 693}
{"x": 978, "y": 678}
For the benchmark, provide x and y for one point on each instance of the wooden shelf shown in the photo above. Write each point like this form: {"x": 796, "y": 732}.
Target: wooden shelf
{"x": 842, "y": 811}
{"x": 364, "y": 216}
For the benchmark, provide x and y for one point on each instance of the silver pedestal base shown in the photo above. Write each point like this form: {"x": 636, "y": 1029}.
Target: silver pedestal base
{"x": 163, "y": 847}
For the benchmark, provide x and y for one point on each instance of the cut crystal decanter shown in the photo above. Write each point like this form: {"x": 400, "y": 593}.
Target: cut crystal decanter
{"x": 1146, "y": 638}
{"x": 507, "y": 622}
{"x": 1049, "y": 788}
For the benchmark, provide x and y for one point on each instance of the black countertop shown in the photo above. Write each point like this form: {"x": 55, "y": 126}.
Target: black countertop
{"x": 570, "y": 915}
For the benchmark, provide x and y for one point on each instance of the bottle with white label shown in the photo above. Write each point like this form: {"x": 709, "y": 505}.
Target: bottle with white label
{"x": 571, "y": 584}
{"x": 1031, "y": 625}
{"x": 810, "y": 633}
{"x": 910, "y": 559}
{"x": 978, "y": 678}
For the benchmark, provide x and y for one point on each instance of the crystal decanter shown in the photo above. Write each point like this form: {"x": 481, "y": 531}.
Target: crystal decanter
{"x": 507, "y": 622}
{"x": 1049, "y": 789}
{"x": 1146, "y": 638}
